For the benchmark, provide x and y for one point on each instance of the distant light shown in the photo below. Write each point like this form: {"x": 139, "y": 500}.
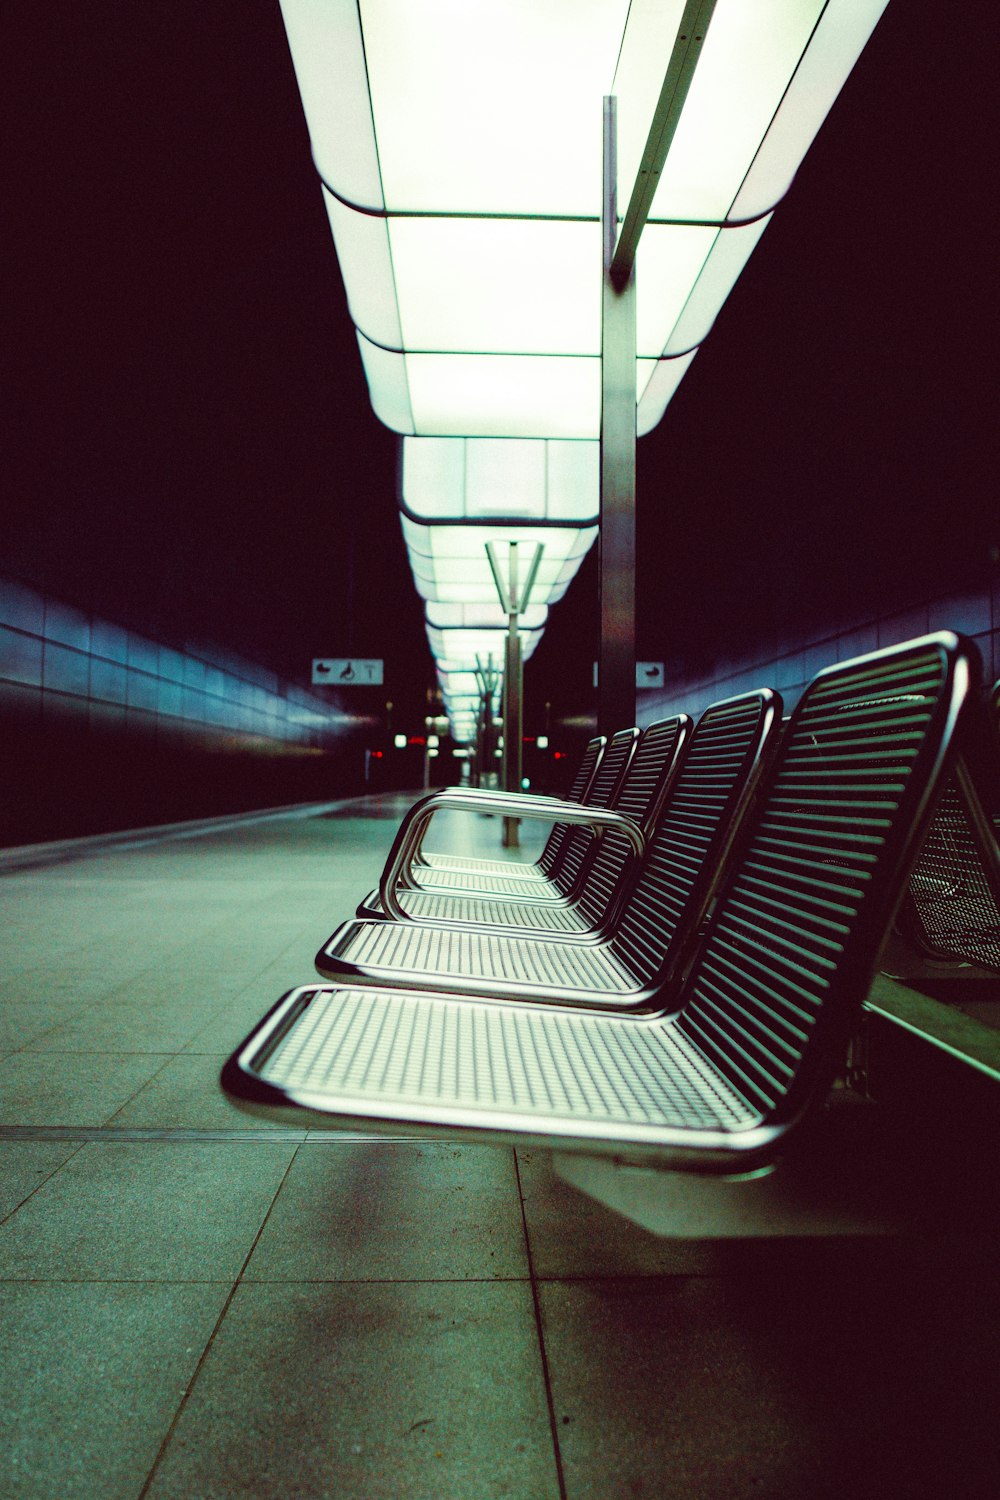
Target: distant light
{"x": 558, "y": 755}
{"x": 542, "y": 742}
{"x": 399, "y": 740}
{"x": 416, "y": 739}
{"x": 432, "y": 739}
{"x": 525, "y": 783}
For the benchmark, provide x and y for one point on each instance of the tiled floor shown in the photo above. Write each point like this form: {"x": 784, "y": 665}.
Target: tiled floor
{"x": 198, "y": 1304}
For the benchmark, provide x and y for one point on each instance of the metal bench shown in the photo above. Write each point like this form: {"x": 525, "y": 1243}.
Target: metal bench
{"x": 764, "y": 1014}
{"x": 561, "y": 882}
{"x": 603, "y": 876}
{"x": 657, "y": 921}
{"x": 951, "y": 913}
{"x": 540, "y": 869}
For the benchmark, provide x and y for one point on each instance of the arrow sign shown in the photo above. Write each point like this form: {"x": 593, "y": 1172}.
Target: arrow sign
{"x": 648, "y": 674}
{"x": 347, "y": 671}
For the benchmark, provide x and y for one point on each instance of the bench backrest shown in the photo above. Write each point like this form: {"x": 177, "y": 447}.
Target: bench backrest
{"x": 578, "y": 792}
{"x": 602, "y": 793}
{"x": 643, "y": 788}
{"x": 730, "y": 745}
{"x": 795, "y": 935}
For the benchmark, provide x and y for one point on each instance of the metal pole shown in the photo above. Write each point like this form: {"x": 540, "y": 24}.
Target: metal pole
{"x": 512, "y": 725}
{"x": 514, "y": 598}
{"x": 512, "y": 699}
{"x": 616, "y": 657}
{"x": 486, "y": 676}
{"x": 677, "y": 78}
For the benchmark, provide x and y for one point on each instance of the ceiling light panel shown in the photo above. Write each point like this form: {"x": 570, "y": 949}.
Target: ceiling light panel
{"x": 464, "y": 650}
{"x": 466, "y": 210}
{"x": 449, "y": 616}
{"x": 503, "y": 478}
{"x": 449, "y": 563}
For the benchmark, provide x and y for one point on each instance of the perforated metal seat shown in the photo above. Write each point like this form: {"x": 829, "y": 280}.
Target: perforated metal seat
{"x": 658, "y": 918}
{"x": 764, "y": 1013}
{"x": 540, "y": 869}
{"x": 603, "y": 876}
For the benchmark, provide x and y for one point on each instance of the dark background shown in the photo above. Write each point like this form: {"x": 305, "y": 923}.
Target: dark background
{"x": 189, "y": 447}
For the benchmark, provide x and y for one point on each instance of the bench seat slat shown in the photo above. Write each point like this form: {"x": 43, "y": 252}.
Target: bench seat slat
{"x": 487, "y": 911}
{"x": 453, "y": 955}
{"x": 425, "y": 1050}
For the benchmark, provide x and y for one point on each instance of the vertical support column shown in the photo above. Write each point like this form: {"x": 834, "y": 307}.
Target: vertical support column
{"x": 616, "y": 657}
{"x": 486, "y": 677}
{"x": 512, "y": 725}
{"x": 512, "y": 701}
{"x": 514, "y": 598}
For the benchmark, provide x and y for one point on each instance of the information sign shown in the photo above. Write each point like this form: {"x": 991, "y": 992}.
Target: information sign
{"x": 648, "y": 674}
{"x": 347, "y": 671}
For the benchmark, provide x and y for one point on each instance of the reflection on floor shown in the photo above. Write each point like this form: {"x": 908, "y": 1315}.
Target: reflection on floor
{"x": 195, "y": 1304}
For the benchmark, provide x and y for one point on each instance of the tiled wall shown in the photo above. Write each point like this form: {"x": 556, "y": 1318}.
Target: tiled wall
{"x": 58, "y": 662}
{"x": 975, "y": 613}
{"x": 104, "y": 728}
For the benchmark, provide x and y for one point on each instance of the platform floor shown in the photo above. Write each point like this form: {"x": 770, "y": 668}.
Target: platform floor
{"x": 196, "y": 1305}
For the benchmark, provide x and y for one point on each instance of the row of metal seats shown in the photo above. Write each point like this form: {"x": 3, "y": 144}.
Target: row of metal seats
{"x": 950, "y": 913}
{"x": 625, "y": 929}
{"x": 624, "y": 778}
{"x": 677, "y": 991}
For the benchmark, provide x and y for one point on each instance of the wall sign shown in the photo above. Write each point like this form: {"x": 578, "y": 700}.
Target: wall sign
{"x": 347, "y": 671}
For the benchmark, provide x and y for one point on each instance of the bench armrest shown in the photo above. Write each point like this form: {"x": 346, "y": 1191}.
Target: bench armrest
{"x": 548, "y": 810}
{"x": 484, "y": 800}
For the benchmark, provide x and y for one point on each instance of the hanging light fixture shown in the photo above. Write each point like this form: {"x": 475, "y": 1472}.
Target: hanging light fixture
{"x": 471, "y": 255}
{"x": 474, "y": 258}
{"x": 458, "y": 650}
{"x": 457, "y": 494}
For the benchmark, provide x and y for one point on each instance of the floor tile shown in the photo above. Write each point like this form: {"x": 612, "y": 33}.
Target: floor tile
{"x": 700, "y": 1369}
{"x": 848, "y": 1370}
{"x": 23, "y": 1024}
{"x": 180, "y": 980}
{"x": 38, "y": 985}
{"x": 90, "y": 1379}
{"x": 157, "y": 1211}
{"x": 374, "y": 1211}
{"x": 186, "y": 1095}
{"x": 142, "y": 1025}
{"x": 400, "y": 1392}
{"x": 572, "y": 1235}
{"x": 228, "y": 1027}
{"x": 24, "y": 1166}
{"x": 64, "y": 1088}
